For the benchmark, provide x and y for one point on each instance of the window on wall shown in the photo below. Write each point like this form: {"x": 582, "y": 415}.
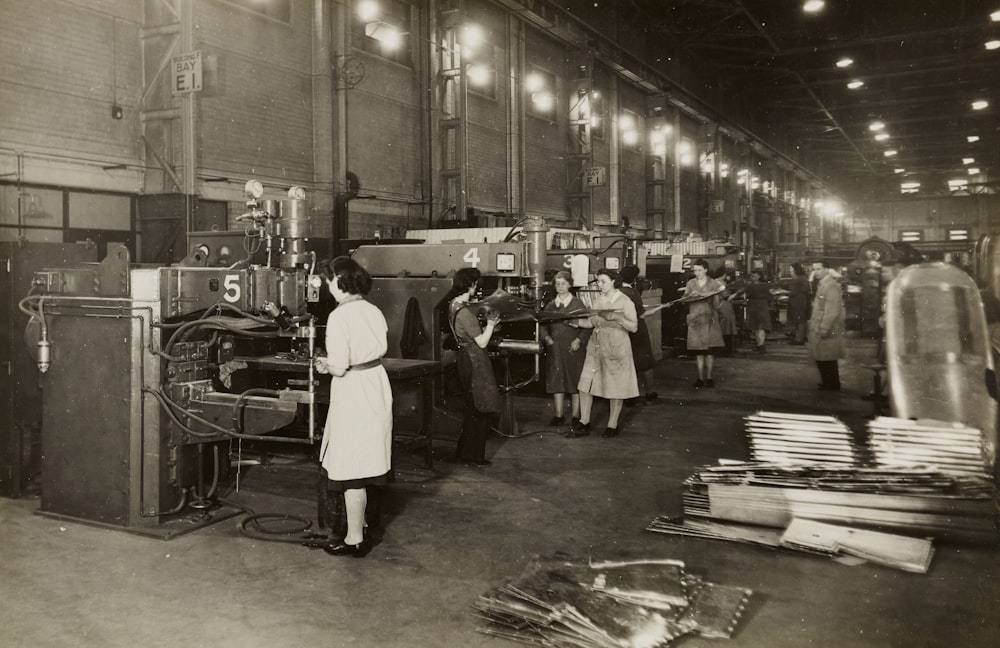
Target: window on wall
{"x": 631, "y": 129}
{"x": 959, "y": 234}
{"x": 911, "y": 236}
{"x": 481, "y": 70}
{"x": 274, "y": 9}
{"x": 540, "y": 92}
{"x": 384, "y": 32}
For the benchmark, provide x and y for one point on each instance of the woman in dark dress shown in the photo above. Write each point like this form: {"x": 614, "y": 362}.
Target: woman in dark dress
{"x": 758, "y": 294}
{"x": 798, "y": 304}
{"x": 642, "y": 348}
{"x": 475, "y": 372}
{"x": 565, "y": 350}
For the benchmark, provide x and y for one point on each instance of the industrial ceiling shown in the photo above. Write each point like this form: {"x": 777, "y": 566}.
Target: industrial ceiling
{"x": 916, "y": 67}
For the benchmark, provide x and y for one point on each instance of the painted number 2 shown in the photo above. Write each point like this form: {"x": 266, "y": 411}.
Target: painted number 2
{"x": 472, "y": 257}
{"x": 232, "y": 286}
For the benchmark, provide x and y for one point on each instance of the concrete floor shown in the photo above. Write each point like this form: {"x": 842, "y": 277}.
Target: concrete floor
{"x": 456, "y": 531}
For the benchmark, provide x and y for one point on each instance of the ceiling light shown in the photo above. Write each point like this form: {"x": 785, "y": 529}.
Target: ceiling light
{"x": 854, "y": 85}
{"x": 968, "y": 160}
{"x": 961, "y": 183}
{"x": 899, "y": 170}
{"x": 980, "y": 104}
{"x": 973, "y": 170}
{"x": 993, "y": 44}
{"x": 881, "y": 137}
{"x": 995, "y": 16}
{"x": 972, "y": 138}
{"x": 876, "y": 126}
{"x": 812, "y": 6}
{"x": 845, "y": 62}
{"x": 890, "y": 152}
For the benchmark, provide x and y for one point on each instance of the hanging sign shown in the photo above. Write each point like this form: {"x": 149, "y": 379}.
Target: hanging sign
{"x": 594, "y": 177}
{"x": 187, "y": 74}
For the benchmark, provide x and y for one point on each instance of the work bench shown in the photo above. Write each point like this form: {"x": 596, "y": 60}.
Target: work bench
{"x": 402, "y": 373}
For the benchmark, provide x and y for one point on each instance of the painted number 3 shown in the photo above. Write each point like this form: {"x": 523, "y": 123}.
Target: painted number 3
{"x": 232, "y": 286}
{"x": 472, "y": 257}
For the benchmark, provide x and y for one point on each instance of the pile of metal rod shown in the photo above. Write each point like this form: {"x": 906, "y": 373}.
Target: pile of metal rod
{"x": 950, "y": 447}
{"x": 777, "y": 437}
{"x": 567, "y": 601}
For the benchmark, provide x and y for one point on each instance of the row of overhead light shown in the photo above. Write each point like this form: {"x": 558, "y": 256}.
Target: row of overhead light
{"x": 881, "y": 135}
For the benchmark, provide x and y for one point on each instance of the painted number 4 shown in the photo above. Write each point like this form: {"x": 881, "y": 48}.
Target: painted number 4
{"x": 472, "y": 257}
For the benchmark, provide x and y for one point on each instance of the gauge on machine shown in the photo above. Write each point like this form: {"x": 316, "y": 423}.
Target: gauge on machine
{"x": 315, "y": 281}
{"x": 253, "y": 188}
{"x": 297, "y": 193}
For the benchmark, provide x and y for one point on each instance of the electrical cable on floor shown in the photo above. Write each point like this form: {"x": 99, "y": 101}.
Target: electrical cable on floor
{"x": 255, "y": 525}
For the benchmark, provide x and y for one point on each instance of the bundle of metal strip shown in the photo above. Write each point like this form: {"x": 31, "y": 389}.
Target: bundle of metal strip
{"x": 908, "y": 500}
{"x": 562, "y": 601}
{"x": 783, "y": 438}
{"x": 948, "y": 447}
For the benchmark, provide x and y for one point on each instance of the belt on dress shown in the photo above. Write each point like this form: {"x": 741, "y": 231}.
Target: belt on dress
{"x": 371, "y": 364}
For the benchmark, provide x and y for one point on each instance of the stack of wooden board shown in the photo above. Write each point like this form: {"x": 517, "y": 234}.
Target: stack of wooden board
{"x": 777, "y": 437}
{"x": 949, "y": 447}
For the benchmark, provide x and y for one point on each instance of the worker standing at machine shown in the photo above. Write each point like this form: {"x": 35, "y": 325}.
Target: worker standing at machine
{"x": 565, "y": 349}
{"x": 357, "y": 441}
{"x": 475, "y": 373}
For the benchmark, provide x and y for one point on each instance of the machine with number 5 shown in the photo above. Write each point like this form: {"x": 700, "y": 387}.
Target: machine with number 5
{"x": 150, "y": 374}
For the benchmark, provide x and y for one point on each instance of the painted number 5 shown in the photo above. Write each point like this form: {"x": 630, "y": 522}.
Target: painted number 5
{"x": 472, "y": 257}
{"x": 232, "y": 286}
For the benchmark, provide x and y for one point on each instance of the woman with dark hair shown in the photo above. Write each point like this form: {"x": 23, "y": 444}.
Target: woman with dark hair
{"x": 608, "y": 370}
{"x": 475, "y": 372}
{"x": 758, "y": 294}
{"x": 798, "y": 304}
{"x": 565, "y": 348}
{"x": 704, "y": 336}
{"x": 356, "y": 452}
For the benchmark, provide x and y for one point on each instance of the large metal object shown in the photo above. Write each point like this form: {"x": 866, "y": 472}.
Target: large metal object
{"x": 938, "y": 351}
{"x": 149, "y": 374}
{"x": 20, "y": 393}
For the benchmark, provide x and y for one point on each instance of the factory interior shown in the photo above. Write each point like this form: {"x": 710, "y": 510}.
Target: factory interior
{"x": 175, "y": 175}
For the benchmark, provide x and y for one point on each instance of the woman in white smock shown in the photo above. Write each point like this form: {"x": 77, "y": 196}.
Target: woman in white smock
{"x": 609, "y": 369}
{"x": 357, "y": 440}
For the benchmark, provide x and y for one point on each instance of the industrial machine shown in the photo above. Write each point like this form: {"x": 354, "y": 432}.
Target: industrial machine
{"x": 20, "y": 393}
{"x": 411, "y": 281}
{"x": 151, "y": 375}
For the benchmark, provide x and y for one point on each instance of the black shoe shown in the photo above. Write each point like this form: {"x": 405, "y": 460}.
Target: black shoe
{"x": 578, "y": 430}
{"x": 610, "y": 432}
{"x": 574, "y": 421}
{"x": 359, "y": 550}
{"x": 710, "y": 383}
{"x": 483, "y": 462}
{"x": 699, "y": 383}
{"x": 556, "y": 421}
